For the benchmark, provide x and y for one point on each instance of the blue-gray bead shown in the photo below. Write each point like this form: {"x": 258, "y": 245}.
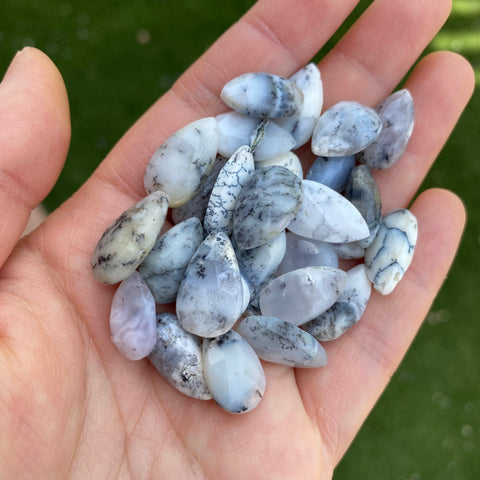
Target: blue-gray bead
{"x": 332, "y": 172}
{"x": 363, "y": 192}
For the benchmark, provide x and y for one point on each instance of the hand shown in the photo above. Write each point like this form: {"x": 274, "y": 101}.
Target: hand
{"x": 72, "y": 405}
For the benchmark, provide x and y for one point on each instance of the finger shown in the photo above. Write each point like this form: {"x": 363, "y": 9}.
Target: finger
{"x": 362, "y": 361}
{"x": 441, "y": 86}
{"x": 34, "y": 139}
{"x": 380, "y": 48}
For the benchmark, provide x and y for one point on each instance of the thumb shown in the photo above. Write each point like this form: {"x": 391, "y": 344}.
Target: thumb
{"x": 34, "y": 140}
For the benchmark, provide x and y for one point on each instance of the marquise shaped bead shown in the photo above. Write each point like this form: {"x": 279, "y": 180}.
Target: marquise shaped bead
{"x": 282, "y": 342}
{"x": 231, "y": 178}
{"x": 183, "y": 161}
{"x": 301, "y": 295}
{"x": 397, "y": 114}
{"x": 345, "y": 129}
{"x": 234, "y": 374}
{"x": 262, "y": 95}
{"x": 210, "y": 297}
{"x": 390, "y": 254}
{"x": 129, "y": 239}
{"x": 327, "y": 216}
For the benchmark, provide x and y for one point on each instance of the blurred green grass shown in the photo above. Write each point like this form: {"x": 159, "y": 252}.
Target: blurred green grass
{"x": 117, "y": 58}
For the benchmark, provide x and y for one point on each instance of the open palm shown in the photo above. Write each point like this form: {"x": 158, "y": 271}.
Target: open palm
{"x": 72, "y": 406}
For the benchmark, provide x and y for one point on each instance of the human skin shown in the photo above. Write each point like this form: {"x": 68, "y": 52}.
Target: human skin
{"x": 72, "y": 406}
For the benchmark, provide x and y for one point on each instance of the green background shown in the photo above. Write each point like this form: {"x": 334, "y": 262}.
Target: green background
{"x": 118, "y": 57}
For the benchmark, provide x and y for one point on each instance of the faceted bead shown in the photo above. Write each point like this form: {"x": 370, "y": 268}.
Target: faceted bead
{"x": 223, "y": 199}
{"x": 266, "y": 205}
{"x": 177, "y": 355}
{"x": 345, "y": 129}
{"x": 164, "y": 267}
{"x": 262, "y": 95}
{"x": 288, "y": 160}
{"x": 125, "y": 244}
{"x": 210, "y": 297}
{"x": 233, "y": 372}
{"x": 183, "y": 162}
{"x": 398, "y": 116}
{"x": 282, "y": 342}
{"x": 332, "y": 172}
{"x": 301, "y": 295}
{"x": 305, "y": 252}
{"x": 347, "y": 310}
{"x": 327, "y": 216}
{"x": 132, "y": 318}
{"x": 390, "y": 254}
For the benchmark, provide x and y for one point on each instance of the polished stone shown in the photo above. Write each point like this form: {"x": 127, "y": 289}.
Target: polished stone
{"x": 132, "y": 318}
{"x": 327, "y": 216}
{"x": 129, "y": 239}
{"x": 270, "y": 140}
{"x": 332, "y": 172}
{"x": 345, "y": 129}
{"x": 234, "y": 130}
{"x": 262, "y": 95}
{"x": 164, "y": 267}
{"x": 301, "y": 295}
{"x": 288, "y": 160}
{"x": 363, "y": 192}
{"x": 234, "y": 374}
{"x": 282, "y": 342}
{"x": 183, "y": 162}
{"x": 177, "y": 355}
{"x": 347, "y": 310}
{"x": 266, "y": 205}
{"x": 397, "y": 114}
{"x": 230, "y": 181}
{"x": 197, "y": 205}
{"x": 260, "y": 263}
{"x": 390, "y": 254}
{"x": 300, "y": 126}
{"x": 305, "y": 252}
{"x": 210, "y": 297}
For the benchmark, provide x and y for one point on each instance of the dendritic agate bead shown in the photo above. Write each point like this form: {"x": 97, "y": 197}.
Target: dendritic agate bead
{"x": 282, "y": 342}
{"x": 305, "y": 252}
{"x": 229, "y": 183}
{"x": 197, "y": 205}
{"x": 132, "y": 318}
{"x": 327, "y": 216}
{"x": 347, "y": 310}
{"x": 300, "y": 126}
{"x": 363, "y": 192}
{"x": 262, "y": 95}
{"x": 288, "y": 160}
{"x": 390, "y": 254}
{"x": 260, "y": 263}
{"x": 210, "y": 297}
{"x": 332, "y": 172}
{"x": 234, "y": 374}
{"x": 129, "y": 239}
{"x": 265, "y": 206}
{"x": 164, "y": 267}
{"x": 345, "y": 129}
{"x": 183, "y": 161}
{"x": 397, "y": 115}
{"x": 301, "y": 295}
{"x": 177, "y": 355}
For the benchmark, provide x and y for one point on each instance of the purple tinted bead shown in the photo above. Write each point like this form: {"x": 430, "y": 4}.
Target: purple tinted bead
{"x": 332, "y": 172}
